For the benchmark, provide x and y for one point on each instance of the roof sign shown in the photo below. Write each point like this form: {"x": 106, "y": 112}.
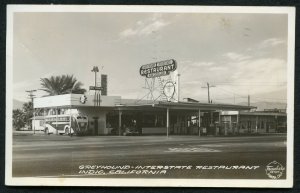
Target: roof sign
{"x": 157, "y": 69}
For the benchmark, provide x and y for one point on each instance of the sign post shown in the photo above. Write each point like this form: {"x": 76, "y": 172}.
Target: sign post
{"x": 199, "y": 122}
{"x": 33, "y": 120}
{"x": 168, "y": 124}
{"x": 160, "y": 76}
{"x": 97, "y": 97}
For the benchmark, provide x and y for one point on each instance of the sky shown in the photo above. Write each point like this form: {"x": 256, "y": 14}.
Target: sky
{"x": 239, "y": 54}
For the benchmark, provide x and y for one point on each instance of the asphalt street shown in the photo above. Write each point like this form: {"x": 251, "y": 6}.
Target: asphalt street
{"x": 239, "y": 157}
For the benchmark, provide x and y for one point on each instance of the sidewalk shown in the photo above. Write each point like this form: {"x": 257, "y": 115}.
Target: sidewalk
{"x": 30, "y": 132}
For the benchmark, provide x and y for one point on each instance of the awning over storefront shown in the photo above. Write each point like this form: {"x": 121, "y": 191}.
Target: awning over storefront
{"x": 203, "y": 106}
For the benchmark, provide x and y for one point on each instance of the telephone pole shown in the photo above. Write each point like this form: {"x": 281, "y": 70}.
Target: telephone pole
{"x": 248, "y": 100}
{"x": 208, "y": 95}
{"x": 178, "y": 82}
{"x": 31, "y": 95}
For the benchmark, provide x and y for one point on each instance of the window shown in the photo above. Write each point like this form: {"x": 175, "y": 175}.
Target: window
{"x": 42, "y": 123}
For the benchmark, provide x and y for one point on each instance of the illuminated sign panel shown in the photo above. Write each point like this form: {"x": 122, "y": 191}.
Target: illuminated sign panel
{"x": 157, "y": 69}
{"x": 169, "y": 90}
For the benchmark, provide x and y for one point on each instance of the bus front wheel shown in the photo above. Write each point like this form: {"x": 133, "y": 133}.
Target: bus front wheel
{"x": 67, "y": 131}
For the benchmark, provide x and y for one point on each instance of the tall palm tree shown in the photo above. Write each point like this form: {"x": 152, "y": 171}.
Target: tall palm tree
{"x": 64, "y": 84}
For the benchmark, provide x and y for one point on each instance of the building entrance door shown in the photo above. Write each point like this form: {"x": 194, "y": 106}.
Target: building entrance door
{"x": 96, "y": 125}
{"x": 249, "y": 126}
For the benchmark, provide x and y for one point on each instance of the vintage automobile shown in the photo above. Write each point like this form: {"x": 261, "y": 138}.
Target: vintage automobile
{"x": 130, "y": 131}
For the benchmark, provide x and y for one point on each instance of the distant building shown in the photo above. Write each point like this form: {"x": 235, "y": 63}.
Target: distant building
{"x": 275, "y": 110}
{"x": 254, "y": 122}
{"x": 38, "y": 123}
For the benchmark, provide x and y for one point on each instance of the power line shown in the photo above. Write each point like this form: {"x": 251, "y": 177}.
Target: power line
{"x": 228, "y": 98}
{"x": 232, "y": 92}
{"x": 252, "y": 84}
{"x": 253, "y": 97}
{"x": 266, "y": 99}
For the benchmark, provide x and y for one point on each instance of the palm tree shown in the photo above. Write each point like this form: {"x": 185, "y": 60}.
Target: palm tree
{"x": 64, "y": 84}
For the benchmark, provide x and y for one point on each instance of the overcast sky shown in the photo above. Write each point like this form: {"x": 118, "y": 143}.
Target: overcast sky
{"x": 240, "y": 54}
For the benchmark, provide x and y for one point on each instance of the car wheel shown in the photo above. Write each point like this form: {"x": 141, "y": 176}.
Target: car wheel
{"x": 47, "y": 131}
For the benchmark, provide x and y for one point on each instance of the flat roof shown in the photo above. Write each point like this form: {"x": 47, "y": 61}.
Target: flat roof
{"x": 260, "y": 113}
{"x": 184, "y": 106}
{"x": 203, "y": 106}
{"x": 117, "y": 103}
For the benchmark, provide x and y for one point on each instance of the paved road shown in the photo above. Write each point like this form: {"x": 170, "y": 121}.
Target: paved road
{"x": 147, "y": 156}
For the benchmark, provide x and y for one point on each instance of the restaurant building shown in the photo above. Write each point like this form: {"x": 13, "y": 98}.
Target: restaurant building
{"x": 164, "y": 114}
{"x": 111, "y": 115}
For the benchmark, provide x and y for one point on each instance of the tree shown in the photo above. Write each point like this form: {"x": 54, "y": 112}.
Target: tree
{"x": 18, "y": 119}
{"x": 28, "y": 113}
{"x": 64, "y": 84}
{"x": 23, "y": 117}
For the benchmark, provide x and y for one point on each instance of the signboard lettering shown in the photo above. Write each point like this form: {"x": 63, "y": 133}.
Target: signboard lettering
{"x": 95, "y": 88}
{"x": 157, "y": 69}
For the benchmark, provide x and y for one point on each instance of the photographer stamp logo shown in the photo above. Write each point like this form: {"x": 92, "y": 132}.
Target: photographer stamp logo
{"x": 274, "y": 170}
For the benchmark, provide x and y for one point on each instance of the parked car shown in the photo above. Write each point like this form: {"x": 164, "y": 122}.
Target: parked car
{"x": 114, "y": 131}
{"x": 130, "y": 131}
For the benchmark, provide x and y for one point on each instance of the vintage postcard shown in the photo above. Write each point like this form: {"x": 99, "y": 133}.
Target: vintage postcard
{"x": 161, "y": 96}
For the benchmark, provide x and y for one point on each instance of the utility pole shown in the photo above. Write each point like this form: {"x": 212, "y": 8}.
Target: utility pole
{"x": 248, "y": 100}
{"x": 208, "y": 95}
{"x": 31, "y": 95}
{"x": 178, "y": 82}
{"x": 233, "y": 98}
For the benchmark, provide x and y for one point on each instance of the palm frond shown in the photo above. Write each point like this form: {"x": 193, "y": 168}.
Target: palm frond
{"x": 63, "y": 84}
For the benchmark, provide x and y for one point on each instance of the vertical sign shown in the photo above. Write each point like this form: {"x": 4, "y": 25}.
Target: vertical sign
{"x": 97, "y": 99}
{"x": 104, "y": 84}
{"x": 97, "y": 96}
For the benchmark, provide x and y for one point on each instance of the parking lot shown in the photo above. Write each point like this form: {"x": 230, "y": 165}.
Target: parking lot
{"x": 147, "y": 156}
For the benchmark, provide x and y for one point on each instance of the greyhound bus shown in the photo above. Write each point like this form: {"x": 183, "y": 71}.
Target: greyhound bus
{"x": 65, "y": 122}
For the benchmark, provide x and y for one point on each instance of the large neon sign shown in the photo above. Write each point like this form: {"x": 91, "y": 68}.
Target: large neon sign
{"x": 157, "y": 69}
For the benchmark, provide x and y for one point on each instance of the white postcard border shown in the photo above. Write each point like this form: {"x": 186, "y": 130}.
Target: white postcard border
{"x": 21, "y": 181}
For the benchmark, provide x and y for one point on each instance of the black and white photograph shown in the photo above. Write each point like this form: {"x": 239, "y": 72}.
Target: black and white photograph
{"x": 164, "y": 96}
